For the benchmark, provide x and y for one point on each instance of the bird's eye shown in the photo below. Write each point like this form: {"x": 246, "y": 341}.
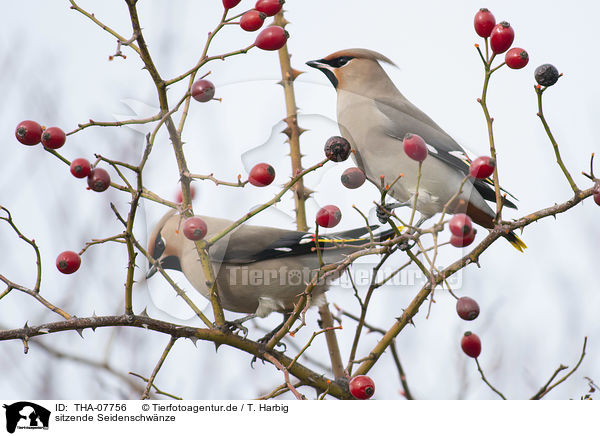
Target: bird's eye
{"x": 340, "y": 62}
{"x": 159, "y": 247}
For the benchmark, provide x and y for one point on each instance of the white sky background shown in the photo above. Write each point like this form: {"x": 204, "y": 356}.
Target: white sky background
{"x": 536, "y": 306}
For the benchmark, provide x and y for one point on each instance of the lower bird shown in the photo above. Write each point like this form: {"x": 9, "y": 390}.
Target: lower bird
{"x": 258, "y": 269}
{"x": 374, "y": 117}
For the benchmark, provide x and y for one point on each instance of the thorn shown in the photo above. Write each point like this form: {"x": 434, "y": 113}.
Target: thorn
{"x": 144, "y": 312}
{"x": 287, "y": 132}
{"x": 295, "y": 73}
{"x": 194, "y": 340}
{"x": 217, "y": 347}
{"x": 280, "y": 82}
{"x": 80, "y": 332}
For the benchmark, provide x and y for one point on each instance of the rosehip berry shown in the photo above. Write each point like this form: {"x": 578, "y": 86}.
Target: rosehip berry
{"x": 261, "y": 174}
{"x": 337, "y": 149}
{"x": 502, "y": 37}
{"x": 329, "y": 216}
{"x": 463, "y": 241}
{"x": 546, "y": 75}
{"x": 81, "y": 168}
{"x": 484, "y": 22}
{"x": 203, "y": 90}
{"x": 252, "y": 20}
{"x": 271, "y": 38}
{"x": 194, "y": 228}
{"x": 461, "y": 225}
{"x": 68, "y": 262}
{"x": 362, "y": 387}
{"x": 269, "y": 7}
{"x": 228, "y": 4}
{"x": 597, "y": 193}
{"x": 54, "y": 138}
{"x": 353, "y": 178}
{"x": 467, "y": 308}
{"x": 29, "y": 132}
{"x": 482, "y": 167}
{"x": 179, "y": 195}
{"x": 471, "y": 344}
{"x": 98, "y": 180}
{"x": 415, "y": 147}
{"x": 516, "y": 58}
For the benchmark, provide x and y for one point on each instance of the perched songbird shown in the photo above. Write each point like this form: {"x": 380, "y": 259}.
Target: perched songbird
{"x": 259, "y": 270}
{"x": 374, "y": 116}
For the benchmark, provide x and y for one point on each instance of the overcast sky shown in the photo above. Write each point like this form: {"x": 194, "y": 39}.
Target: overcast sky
{"x": 536, "y": 306}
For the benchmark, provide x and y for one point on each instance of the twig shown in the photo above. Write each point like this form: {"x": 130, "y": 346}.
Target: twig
{"x": 156, "y": 389}
{"x": 547, "y": 387}
{"x": 487, "y": 382}
{"x": 38, "y": 256}
{"x": 540, "y": 91}
{"x": 159, "y": 364}
{"x": 286, "y": 376}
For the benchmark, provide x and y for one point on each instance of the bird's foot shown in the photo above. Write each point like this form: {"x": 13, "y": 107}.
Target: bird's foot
{"x": 384, "y": 211}
{"x": 237, "y": 325}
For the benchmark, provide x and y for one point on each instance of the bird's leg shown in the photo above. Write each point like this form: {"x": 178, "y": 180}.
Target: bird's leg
{"x": 383, "y": 211}
{"x": 237, "y": 324}
{"x": 266, "y": 338}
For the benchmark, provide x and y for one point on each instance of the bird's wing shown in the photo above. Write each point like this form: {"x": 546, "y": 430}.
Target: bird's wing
{"x": 402, "y": 117}
{"x": 255, "y": 243}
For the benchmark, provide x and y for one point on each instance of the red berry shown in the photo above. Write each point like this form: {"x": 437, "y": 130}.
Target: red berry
{"x": 53, "y": 137}
{"x": 203, "y": 90}
{"x": 362, "y": 387}
{"x": 482, "y": 167}
{"x": 463, "y": 241}
{"x": 502, "y": 37}
{"x": 271, "y": 38}
{"x": 28, "y": 132}
{"x": 516, "y": 58}
{"x": 471, "y": 344}
{"x": 68, "y": 262}
{"x": 228, "y": 4}
{"x": 597, "y": 193}
{"x": 269, "y": 7}
{"x": 484, "y": 22}
{"x": 252, "y": 20}
{"x": 81, "y": 168}
{"x": 194, "y": 228}
{"x": 415, "y": 147}
{"x": 179, "y": 195}
{"x": 262, "y": 174}
{"x": 461, "y": 225}
{"x": 337, "y": 149}
{"x": 329, "y": 216}
{"x": 98, "y": 180}
{"x": 467, "y": 308}
{"x": 353, "y": 178}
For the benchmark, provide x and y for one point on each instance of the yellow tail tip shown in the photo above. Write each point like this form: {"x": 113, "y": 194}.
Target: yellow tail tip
{"x": 516, "y": 242}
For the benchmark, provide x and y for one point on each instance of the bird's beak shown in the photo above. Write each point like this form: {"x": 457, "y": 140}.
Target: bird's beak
{"x": 318, "y": 64}
{"x": 151, "y": 271}
{"x": 326, "y": 69}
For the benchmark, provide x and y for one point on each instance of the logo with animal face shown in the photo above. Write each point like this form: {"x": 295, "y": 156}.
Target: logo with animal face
{"x": 26, "y": 415}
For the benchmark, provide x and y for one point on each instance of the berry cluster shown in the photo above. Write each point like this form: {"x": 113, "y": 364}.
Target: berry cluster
{"x": 271, "y": 38}
{"x": 501, "y": 37}
{"x": 30, "y": 132}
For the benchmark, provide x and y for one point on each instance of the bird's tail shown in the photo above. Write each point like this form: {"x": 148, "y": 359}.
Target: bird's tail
{"x": 358, "y": 236}
{"x": 515, "y": 241}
